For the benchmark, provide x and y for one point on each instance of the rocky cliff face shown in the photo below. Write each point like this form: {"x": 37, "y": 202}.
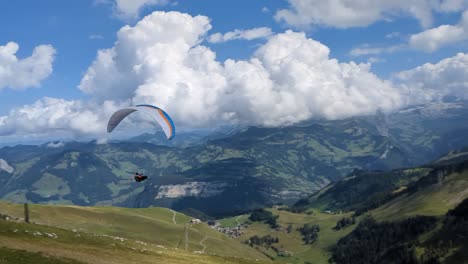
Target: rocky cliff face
{"x": 5, "y": 166}
{"x": 197, "y": 189}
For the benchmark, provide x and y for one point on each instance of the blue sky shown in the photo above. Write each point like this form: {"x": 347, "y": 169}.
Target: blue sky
{"x": 389, "y": 37}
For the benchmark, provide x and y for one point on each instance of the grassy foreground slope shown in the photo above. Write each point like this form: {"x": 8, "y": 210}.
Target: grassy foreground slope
{"x": 33, "y": 243}
{"x": 149, "y": 225}
{"x": 8, "y": 255}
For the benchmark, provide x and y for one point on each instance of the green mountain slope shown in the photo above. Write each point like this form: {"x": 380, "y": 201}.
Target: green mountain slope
{"x": 433, "y": 199}
{"x": 35, "y": 243}
{"x": 452, "y": 157}
{"x": 254, "y": 167}
{"x": 386, "y": 207}
{"x": 386, "y": 227}
{"x": 418, "y": 240}
{"x": 150, "y": 225}
{"x": 362, "y": 191}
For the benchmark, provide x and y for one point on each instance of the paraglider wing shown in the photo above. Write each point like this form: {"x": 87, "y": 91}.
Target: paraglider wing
{"x": 163, "y": 119}
{"x": 118, "y": 116}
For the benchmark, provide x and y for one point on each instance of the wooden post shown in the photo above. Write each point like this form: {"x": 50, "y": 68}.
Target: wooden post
{"x": 186, "y": 237}
{"x": 26, "y": 213}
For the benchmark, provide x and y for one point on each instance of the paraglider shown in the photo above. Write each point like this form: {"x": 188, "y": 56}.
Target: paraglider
{"x": 139, "y": 177}
{"x": 156, "y": 113}
{"x": 161, "y": 117}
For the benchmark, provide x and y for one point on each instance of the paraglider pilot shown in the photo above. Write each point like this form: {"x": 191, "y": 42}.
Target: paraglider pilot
{"x": 139, "y": 177}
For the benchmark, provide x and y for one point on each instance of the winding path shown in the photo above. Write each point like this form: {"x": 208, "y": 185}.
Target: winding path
{"x": 203, "y": 245}
{"x": 173, "y": 216}
{"x": 237, "y": 220}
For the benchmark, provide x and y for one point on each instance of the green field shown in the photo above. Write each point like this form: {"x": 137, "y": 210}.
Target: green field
{"x": 153, "y": 226}
{"x": 12, "y": 256}
{"x": 96, "y": 228}
{"x": 291, "y": 243}
{"x": 233, "y": 221}
{"x": 42, "y": 244}
{"x": 434, "y": 200}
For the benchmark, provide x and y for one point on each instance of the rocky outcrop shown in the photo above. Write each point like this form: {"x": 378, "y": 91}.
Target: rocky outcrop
{"x": 197, "y": 189}
{"x": 5, "y": 166}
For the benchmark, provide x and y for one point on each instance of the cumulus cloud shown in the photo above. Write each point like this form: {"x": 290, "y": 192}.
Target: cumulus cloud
{"x": 19, "y": 73}
{"x": 447, "y": 77}
{"x": 159, "y": 49}
{"x": 432, "y": 39}
{"x": 56, "y": 115}
{"x": 452, "y": 5}
{"x": 289, "y": 79}
{"x": 161, "y": 61}
{"x": 358, "y": 13}
{"x": 250, "y": 34}
{"x": 130, "y": 9}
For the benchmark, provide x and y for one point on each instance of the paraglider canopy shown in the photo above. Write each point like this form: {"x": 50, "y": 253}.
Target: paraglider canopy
{"x": 161, "y": 117}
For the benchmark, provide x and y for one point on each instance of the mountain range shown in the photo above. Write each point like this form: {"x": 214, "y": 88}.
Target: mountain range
{"x": 414, "y": 215}
{"x": 231, "y": 171}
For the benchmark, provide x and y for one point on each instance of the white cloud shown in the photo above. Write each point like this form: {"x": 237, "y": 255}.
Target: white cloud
{"x": 56, "y": 115}
{"x": 55, "y": 144}
{"x": 130, "y": 9}
{"x": 432, "y": 39}
{"x": 161, "y": 61}
{"x": 156, "y": 48}
{"x": 358, "y": 13}
{"x": 102, "y": 141}
{"x": 289, "y": 79}
{"x": 369, "y": 50}
{"x": 447, "y": 77}
{"x": 453, "y": 5}
{"x": 250, "y": 34}
{"x": 19, "y": 73}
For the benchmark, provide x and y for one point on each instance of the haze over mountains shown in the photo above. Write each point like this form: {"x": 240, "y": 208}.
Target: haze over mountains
{"x": 254, "y": 167}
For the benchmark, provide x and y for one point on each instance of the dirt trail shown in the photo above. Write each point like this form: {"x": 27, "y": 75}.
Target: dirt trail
{"x": 203, "y": 245}
{"x": 173, "y": 216}
{"x": 237, "y": 220}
